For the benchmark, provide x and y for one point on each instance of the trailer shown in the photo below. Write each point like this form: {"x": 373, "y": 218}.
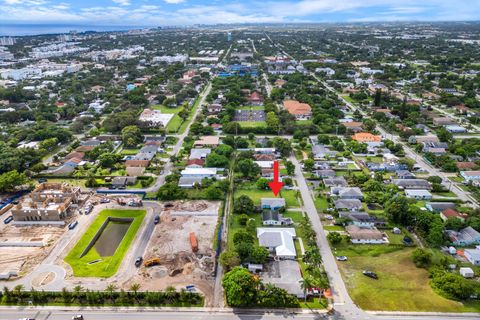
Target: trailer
{"x": 193, "y": 242}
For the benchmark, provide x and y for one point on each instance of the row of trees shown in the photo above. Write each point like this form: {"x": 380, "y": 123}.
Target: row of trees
{"x": 111, "y": 296}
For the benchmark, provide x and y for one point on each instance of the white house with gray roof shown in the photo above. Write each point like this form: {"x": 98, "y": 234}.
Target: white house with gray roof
{"x": 278, "y": 241}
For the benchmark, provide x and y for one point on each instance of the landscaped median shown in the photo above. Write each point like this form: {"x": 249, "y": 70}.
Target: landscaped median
{"x": 85, "y": 258}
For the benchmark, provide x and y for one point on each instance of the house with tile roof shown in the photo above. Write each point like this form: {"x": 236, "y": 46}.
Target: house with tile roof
{"x": 364, "y": 137}
{"x": 301, "y": 111}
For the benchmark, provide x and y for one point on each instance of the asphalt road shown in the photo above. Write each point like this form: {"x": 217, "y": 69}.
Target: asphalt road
{"x": 135, "y": 315}
{"x": 342, "y": 301}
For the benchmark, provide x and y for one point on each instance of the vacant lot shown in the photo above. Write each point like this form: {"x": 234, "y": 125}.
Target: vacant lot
{"x": 107, "y": 265}
{"x": 256, "y": 195}
{"x": 175, "y": 123}
{"x": 170, "y": 242}
{"x": 401, "y": 285}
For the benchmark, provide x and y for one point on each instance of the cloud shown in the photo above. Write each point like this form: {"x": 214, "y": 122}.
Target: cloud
{"x": 122, "y": 2}
{"x": 174, "y": 1}
{"x": 148, "y": 13}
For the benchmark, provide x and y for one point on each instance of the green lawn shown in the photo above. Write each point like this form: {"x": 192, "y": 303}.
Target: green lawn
{"x": 256, "y": 194}
{"x": 175, "y": 123}
{"x": 321, "y": 204}
{"x": 401, "y": 286}
{"x": 108, "y": 266}
{"x": 252, "y": 124}
{"x": 130, "y": 152}
{"x": 251, "y": 108}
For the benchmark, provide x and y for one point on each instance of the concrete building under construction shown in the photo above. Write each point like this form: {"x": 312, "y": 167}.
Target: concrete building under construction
{"x": 48, "y": 202}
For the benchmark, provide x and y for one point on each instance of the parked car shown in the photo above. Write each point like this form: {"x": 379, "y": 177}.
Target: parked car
{"x": 77, "y": 317}
{"x": 72, "y": 225}
{"x": 42, "y": 180}
{"x": 370, "y": 274}
{"x": 342, "y": 258}
{"x": 156, "y": 220}
{"x": 104, "y": 200}
{"x": 138, "y": 262}
{"x": 88, "y": 208}
{"x": 8, "y": 220}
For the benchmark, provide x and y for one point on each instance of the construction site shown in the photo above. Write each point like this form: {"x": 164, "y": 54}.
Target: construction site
{"x": 24, "y": 247}
{"x": 180, "y": 251}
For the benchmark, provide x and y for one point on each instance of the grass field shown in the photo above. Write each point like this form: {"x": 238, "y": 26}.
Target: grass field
{"x": 256, "y": 194}
{"x": 108, "y": 266}
{"x": 252, "y": 108}
{"x": 175, "y": 123}
{"x": 401, "y": 286}
{"x": 252, "y": 124}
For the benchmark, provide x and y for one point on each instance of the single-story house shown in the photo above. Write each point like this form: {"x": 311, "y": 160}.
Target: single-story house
{"x": 320, "y": 152}
{"x": 405, "y": 174}
{"x": 195, "y": 163}
{"x": 335, "y": 182}
{"x": 412, "y": 184}
{"x": 123, "y": 181}
{"x": 274, "y": 218}
{"x": 360, "y": 219}
{"x": 452, "y": 213}
{"x": 470, "y": 175}
{"x": 473, "y": 255}
{"x": 272, "y": 203}
{"x": 419, "y": 194}
{"x": 265, "y": 164}
{"x": 348, "y": 204}
{"x": 135, "y": 171}
{"x": 347, "y": 193}
{"x": 189, "y": 182}
{"x": 465, "y": 237}
{"x": 199, "y": 172}
{"x": 365, "y": 235}
{"x": 279, "y": 241}
{"x": 454, "y": 128}
{"x": 199, "y": 153}
{"x": 324, "y": 173}
{"x": 439, "y": 206}
{"x": 137, "y": 163}
{"x": 207, "y": 141}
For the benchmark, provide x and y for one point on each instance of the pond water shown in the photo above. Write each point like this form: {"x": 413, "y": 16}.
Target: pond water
{"x": 112, "y": 235}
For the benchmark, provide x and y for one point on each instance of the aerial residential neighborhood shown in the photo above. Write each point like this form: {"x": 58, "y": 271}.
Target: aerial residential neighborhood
{"x": 293, "y": 170}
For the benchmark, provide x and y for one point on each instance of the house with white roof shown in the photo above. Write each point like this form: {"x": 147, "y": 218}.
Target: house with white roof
{"x": 199, "y": 172}
{"x": 278, "y": 241}
{"x": 418, "y": 194}
{"x": 473, "y": 255}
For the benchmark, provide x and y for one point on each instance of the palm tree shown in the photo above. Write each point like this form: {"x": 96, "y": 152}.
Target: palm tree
{"x": 77, "y": 290}
{"x": 135, "y": 287}
{"x": 18, "y": 289}
{"x": 110, "y": 289}
{"x": 170, "y": 294}
{"x": 306, "y": 284}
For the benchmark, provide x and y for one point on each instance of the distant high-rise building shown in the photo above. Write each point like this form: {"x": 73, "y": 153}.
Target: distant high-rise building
{"x": 229, "y": 36}
{"x": 7, "y": 41}
{"x": 64, "y": 37}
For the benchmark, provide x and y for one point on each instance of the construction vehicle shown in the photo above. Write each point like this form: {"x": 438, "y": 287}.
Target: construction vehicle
{"x": 193, "y": 242}
{"x": 152, "y": 262}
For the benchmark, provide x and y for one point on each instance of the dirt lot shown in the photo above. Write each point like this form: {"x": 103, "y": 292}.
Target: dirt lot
{"x": 24, "y": 259}
{"x": 170, "y": 242}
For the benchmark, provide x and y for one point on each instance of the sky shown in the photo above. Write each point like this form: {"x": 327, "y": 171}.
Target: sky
{"x": 188, "y": 12}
